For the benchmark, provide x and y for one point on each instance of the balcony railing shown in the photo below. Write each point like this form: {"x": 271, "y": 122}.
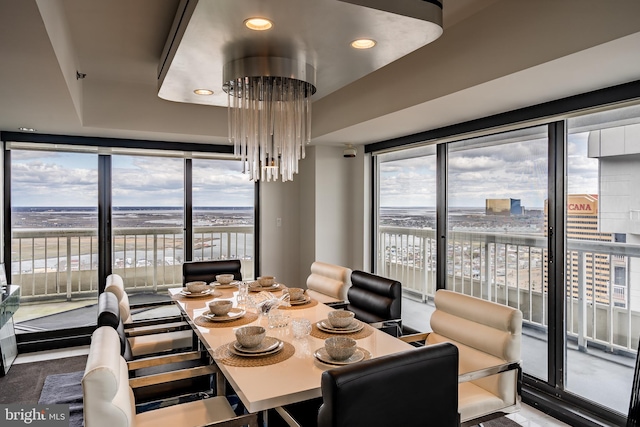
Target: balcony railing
{"x": 61, "y": 264}
{"x": 511, "y": 269}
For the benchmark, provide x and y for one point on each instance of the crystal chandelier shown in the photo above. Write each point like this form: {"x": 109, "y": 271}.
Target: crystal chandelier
{"x": 269, "y": 107}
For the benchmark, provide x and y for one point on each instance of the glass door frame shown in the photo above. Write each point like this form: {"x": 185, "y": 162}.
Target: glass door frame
{"x": 46, "y": 340}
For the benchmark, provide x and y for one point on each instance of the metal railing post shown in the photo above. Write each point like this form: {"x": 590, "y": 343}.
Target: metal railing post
{"x": 155, "y": 263}
{"x": 582, "y": 301}
{"x": 69, "y": 268}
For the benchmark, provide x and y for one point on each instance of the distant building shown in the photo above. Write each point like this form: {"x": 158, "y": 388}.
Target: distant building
{"x": 583, "y": 224}
{"x": 504, "y": 207}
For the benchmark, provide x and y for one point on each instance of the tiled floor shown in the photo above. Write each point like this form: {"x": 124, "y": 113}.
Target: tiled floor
{"x": 527, "y": 417}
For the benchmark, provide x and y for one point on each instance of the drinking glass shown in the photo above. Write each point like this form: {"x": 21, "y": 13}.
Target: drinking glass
{"x": 301, "y": 327}
{"x": 277, "y": 318}
{"x": 243, "y": 294}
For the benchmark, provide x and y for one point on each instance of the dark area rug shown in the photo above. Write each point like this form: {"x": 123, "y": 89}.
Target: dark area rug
{"x": 24, "y": 382}
{"x": 65, "y": 389}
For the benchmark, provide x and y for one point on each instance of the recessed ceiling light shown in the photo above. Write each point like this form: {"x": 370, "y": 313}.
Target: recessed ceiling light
{"x": 258, "y": 24}
{"x": 363, "y": 44}
{"x": 203, "y": 92}
{"x": 25, "y": 129}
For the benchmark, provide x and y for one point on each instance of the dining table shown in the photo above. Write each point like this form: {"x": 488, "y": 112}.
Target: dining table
{"x": 292, "y": 374}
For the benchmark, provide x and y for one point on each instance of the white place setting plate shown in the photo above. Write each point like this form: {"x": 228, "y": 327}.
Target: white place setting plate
{"x": 217, "y": 285}
{"x": 234, "y": 313}
{"x": 273, "y": 287}
{"x": 269, "y": 345}
{"x": 208, "y": 292}
{"x": 322, "y": 355}
{"x": 325, "y": 326}
{"x": 305, "y": 299}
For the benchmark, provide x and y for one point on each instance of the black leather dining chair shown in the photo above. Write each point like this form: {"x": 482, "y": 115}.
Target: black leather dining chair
{"x": 207, "y": 270}
{"x": 374, "y": 298}
{"x": 413, "y": 388}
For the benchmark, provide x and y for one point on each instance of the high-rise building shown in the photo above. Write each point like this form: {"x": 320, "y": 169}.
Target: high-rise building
{"x": 504, "y": 207}
{"x": 583, "y": 265}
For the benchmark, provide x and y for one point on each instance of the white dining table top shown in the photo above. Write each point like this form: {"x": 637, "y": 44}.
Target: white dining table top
{"x": 293, "y": 380}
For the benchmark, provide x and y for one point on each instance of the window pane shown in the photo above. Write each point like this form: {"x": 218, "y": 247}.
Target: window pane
{"x": 406, "y": 227}
{"x": 148, "y": 221}
{"x": 54, "y": 238}
{"x": 223, "y": 213}
{"x": 603, "y": 255}
{"x": 497, "y": 189}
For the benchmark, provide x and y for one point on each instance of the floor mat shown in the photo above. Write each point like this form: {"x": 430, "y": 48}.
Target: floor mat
{"x": 65, "y": 389}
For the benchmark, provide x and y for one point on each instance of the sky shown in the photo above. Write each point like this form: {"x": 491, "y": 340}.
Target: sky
{"x": 516, "y": 170}
{"x": 71, "y": 179}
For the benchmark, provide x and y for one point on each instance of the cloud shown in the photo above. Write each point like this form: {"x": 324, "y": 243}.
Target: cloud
{"x": 38, "y": 183}
{"x": 69, "y": 179}
{"x": 516, "y": 170}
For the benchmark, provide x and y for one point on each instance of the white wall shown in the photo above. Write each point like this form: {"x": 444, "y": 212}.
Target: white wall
{"x": 332, "y": 205}
{"x": 279, "y": 251}
{"x": 324, "y": 216}
{"x": 360, "y": 212}
{"x": 308, "y": 215}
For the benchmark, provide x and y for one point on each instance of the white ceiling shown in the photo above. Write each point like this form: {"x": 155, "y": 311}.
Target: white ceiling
{"x": 494, "y": 56}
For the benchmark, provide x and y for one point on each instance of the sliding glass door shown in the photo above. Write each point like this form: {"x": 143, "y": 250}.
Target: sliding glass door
{"x": 148, "y": 221}
{"x": 497, "y": 244}
{"x": 54, "y": 248}
{"x": 406, "y": 220}
{"x": 603, "y": 255}
{"x": 223, "y": 213}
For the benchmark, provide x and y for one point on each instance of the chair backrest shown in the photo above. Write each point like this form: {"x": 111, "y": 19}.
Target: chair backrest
{"x": 109, "y": 315}
{"x": 107, "y": 398}
{"x": 374, "y": 298}
{"x": 413, "y": 388}
{"x": 115, "y": 285}
{"x": 486, "y": 334}
{"x": 193, "y": 271}
{"x": 329, "y": 279}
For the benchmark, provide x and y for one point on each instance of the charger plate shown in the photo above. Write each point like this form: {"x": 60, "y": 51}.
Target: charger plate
{"x": 234, "y": 313}
{"x": 362, "y": 333}
{"x": 209, "y": 293}
{"x": 273, "y": 288}
{"x": 279, "y": 345}
{"x": 305, "y": 299}
{"x": 231, "y": 285}
{"x": 267, "y": 344}
{"x": 325, "y": 326}
{"x": 224, "y": 355}
{"x": 309, "y": 304}
{"x": 249, "y": 317}
{"x": 359, "y": 355}
{"x": 322, "y": 355}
